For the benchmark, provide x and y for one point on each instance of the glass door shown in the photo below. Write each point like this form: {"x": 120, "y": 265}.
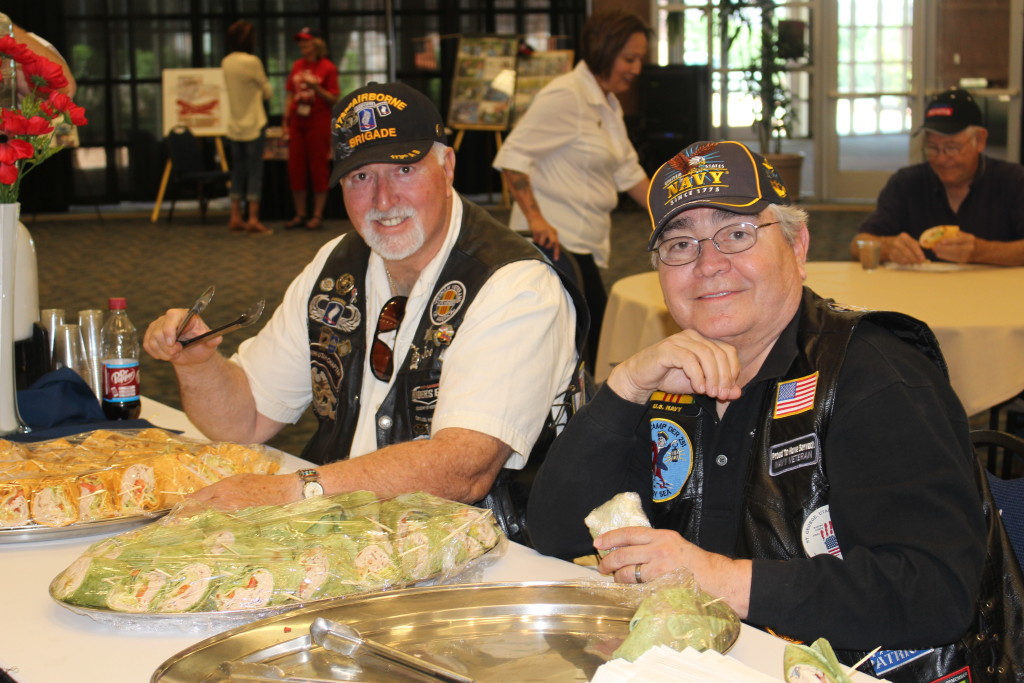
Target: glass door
{"x": 871, "y": 86}
{"x": 891, "y": 56}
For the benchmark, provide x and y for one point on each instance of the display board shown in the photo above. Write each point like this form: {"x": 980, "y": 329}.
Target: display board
{"x": 196, "y": 98}
{"x": 533, "y": 73}
{"x": 485, "y": 80}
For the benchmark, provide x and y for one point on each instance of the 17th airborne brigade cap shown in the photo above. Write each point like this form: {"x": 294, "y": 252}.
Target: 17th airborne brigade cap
{"x": 387, "y": 123}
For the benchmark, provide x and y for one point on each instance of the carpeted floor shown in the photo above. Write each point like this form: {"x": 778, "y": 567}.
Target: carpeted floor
{"x": 86, "y": 258}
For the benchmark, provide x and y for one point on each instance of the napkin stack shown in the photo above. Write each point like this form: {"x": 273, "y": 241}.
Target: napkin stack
{"x": 662, "y": 663}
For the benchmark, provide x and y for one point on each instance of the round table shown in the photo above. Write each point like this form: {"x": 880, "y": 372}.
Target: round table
{"x": 977, "y": 314}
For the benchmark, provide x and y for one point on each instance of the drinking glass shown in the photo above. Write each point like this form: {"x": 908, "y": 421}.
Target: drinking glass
{"x": 69, "y": 350}
{"x": 51, "y": 319}
{"x": 870, "y": 253}
{"x": 91, "y": 322}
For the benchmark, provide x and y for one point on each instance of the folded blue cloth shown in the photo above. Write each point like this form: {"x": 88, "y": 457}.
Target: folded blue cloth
{"x": 60, "y": 403}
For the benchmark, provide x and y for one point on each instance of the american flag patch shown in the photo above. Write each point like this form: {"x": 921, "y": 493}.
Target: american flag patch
{"x": 795, "y": 396}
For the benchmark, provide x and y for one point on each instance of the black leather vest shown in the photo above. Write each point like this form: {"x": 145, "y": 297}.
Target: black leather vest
{"x": 786, "y": 493}
{"x": 337, "y": 338}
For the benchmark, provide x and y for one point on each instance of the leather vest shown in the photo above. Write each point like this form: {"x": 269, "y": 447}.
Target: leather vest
{"x": 785, "y": 501}
{"x": 337, "y": 339}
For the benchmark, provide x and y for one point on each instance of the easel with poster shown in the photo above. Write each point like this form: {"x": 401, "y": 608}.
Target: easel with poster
{"x": 533, "y": 72}
{"x": 197, "y": 99}
{"x": 485, "y": 80}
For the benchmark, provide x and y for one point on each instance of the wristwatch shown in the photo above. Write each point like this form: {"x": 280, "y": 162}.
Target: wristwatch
{"x": 311, "y": 485}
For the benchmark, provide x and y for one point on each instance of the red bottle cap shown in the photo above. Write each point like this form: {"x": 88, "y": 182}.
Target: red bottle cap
{"x": 118, "y": 303}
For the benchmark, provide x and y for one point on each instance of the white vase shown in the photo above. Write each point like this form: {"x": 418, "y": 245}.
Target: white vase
{"x": 10, "y": 420}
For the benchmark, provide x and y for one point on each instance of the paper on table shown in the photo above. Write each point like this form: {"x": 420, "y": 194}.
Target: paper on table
{"x": 932, "y": 266}
{"x": 662, "y": 663}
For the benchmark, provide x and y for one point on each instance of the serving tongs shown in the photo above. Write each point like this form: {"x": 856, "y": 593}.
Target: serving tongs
{"x": 247, "y": 318}
{"x": 344, "y": 640}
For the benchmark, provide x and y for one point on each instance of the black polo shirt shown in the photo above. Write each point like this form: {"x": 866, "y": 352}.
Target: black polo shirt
{"x": 914, "y": 200}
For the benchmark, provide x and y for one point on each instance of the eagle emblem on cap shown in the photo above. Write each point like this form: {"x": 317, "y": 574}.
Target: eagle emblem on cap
{"x": 684, "y": 163}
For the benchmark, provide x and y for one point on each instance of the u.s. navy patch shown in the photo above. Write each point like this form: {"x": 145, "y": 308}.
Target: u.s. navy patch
{"x": 802, "y": 451}
{"x": 447, "y": 302}
{"x": 671, "y": 459}
{"x": 885, "y": 661}
{"x": 818, "y": 534}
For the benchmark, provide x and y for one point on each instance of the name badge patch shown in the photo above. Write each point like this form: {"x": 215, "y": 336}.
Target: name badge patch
{"x": 802, "y": 451}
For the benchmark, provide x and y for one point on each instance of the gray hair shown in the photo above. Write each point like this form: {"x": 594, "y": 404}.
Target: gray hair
{"x": 791, "y": 219}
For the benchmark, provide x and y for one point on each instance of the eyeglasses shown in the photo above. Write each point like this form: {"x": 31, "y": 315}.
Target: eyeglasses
{"x": 933, "y": 151}
{"x": 730, "y": 239}
{"x": 381, "y": 355}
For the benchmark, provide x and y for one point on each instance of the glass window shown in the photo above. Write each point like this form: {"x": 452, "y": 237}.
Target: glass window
{"x": 88, "y": 54}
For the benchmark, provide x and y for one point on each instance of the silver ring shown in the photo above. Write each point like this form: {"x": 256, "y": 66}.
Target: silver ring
{"x": 636, "y": 573}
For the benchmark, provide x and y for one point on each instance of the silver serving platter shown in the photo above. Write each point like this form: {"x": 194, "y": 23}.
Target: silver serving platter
{"x": 38, "y": 532}
{"x": 497, "y": 632}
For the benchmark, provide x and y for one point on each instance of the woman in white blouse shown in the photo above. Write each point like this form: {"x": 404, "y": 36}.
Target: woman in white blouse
{"x": 569, "y": 156}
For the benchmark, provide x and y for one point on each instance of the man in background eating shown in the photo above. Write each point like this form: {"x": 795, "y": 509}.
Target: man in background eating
{"x": 956, "y": 185}
{"x": 454, "y": 379}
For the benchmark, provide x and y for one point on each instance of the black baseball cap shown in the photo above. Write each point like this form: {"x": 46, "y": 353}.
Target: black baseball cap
{"x": 307, "y": 33}
{"x": 950, "y": 112}
{"x": 383, "y": 123}
{"x": 719, "y": 175}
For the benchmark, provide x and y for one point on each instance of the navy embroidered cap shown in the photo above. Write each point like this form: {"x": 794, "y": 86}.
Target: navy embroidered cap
{"x": 719, "y": 175}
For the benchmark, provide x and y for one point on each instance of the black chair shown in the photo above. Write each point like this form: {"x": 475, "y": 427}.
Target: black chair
{"x": 189, "y": 167}
{"x": 1008, "y": 493}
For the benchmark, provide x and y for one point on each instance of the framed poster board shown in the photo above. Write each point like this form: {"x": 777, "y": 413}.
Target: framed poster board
{"x": 196, "y": 98}
{"x": 485, "y": 80}
{"x": 533, "y": 73}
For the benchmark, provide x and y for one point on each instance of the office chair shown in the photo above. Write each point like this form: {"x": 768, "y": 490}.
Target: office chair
{"x": 188, "y": 166}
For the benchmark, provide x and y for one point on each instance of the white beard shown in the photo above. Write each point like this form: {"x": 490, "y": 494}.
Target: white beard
{"x": 397, "y": 246}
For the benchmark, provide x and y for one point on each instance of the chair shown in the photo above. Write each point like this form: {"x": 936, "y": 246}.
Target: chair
{"x": 1008, "y": 494}
{"x": 188, "y": 166}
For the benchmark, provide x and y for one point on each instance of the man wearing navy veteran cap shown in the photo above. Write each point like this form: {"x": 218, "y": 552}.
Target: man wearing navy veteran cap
{"x": 821, "y": 480}
{"x": 956, "y": 185}
{"x": 432, "y": 342}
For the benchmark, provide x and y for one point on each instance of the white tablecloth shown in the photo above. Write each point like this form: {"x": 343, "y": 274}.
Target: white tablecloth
{"x": 43, "y": 642}
{"x": 977, "y": 315}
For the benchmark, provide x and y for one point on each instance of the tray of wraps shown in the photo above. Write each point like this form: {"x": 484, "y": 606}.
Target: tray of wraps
{"x": 199, "y": 569}
{"x": 486, "y": 632}
{"x": 104, "y": 481}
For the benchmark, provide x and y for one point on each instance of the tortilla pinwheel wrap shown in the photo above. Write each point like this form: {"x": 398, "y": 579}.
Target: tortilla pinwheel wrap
{"x": 196, "y": 561}
{"x": 676, "y": 612}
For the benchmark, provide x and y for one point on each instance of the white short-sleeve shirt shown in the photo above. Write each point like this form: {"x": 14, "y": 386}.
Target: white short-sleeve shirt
{"x": 572, "y": 143}
{"x": 513, "y": 354}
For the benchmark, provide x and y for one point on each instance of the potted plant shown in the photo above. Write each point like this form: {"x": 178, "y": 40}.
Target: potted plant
{"x": 780, "y": 42}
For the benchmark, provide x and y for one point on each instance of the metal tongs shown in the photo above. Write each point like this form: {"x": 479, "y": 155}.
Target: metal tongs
{"x": 345, "y": 640}
{"x": 247, "y": 318}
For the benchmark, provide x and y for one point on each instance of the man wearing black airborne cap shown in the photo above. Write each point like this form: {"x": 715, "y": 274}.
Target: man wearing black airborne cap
{"x": 956, "y": 185}
{"x": 431, "y": 341}
{"x": 823, "y": 484}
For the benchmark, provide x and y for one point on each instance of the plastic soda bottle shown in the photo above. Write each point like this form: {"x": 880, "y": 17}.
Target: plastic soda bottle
{"x": 120, "y": 344}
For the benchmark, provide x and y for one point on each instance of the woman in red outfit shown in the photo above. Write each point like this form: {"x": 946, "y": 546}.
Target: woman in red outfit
{"x": 311, "y": 90}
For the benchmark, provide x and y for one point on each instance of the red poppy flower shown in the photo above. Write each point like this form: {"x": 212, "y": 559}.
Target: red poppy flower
{"x": 11, "y": 148}
{"x": 17, "y": 51}
{"x": 8, "y": 173}
{"x": 60, "y": 101}
{"x": 78, "y": 115}
{"x": 44, "y": 75}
